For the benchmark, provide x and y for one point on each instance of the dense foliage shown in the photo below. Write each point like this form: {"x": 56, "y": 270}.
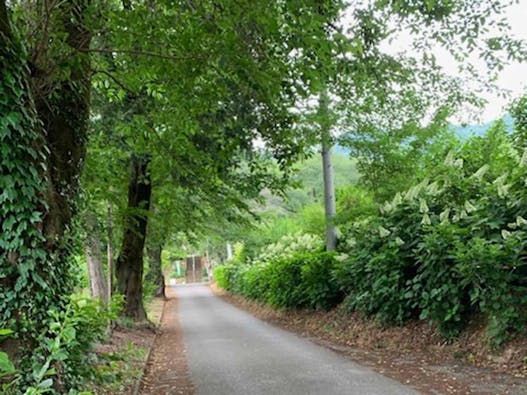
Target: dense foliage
{"x": 449, "y": 246}
{"x": 445, "y": 250}
{"x": 293, "y": 273}
{"x": 65, "y": 359}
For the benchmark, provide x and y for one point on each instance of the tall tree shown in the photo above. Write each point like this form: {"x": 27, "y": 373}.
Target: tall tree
{"x": 44, "y": 119}
{"x": 27, "y": 273}
{"x": 129, "y": 265}
{"x": 202, "y": 99}
{"x": 61, "y": 88}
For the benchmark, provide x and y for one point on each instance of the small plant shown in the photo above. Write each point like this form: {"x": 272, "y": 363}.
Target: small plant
{"x": 64, "y": 360}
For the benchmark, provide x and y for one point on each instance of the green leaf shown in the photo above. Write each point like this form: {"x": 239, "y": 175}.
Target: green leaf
{"x": 45, "y": 384}
{"x": 6, "y": 366}
{"x": 5, "y": 332}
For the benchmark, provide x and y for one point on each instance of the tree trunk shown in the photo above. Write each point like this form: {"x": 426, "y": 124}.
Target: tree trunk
{"x": 42, "y": 141}
{"x": 329, "y": 198}
{"x": 155, "y": 271}
{"x": 229, "y": 251}
{"x": 327, "y": 169}
{"x": 109, "y": 250}
{"x": 129, "y": 264}
{"x": 23, "y": 257}
{"x": 63, "y": 107}
{"x": 93, "y": 247}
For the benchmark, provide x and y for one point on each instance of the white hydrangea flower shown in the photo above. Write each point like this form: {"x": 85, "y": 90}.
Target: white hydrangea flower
{"x": 423, "y": 207}
{"x": 520, "y": 220}
{"x": 469, "y": 207}
{"x": 426, "y": 220}
{"x": 523, "y": 160}
{"x": 500, "y": 180}
{"x": 481, "y": 172}
{"x": 383, "y": 232}
{"x": 444, "y": 215}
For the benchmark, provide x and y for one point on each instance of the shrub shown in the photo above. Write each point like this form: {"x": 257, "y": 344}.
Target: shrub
{"x": 64, "y": 360}
{"x": 377, "y": 273}
{"x": 442, "y": 295}
{"x": 220, "y": 276}
{"x": 495, "y": 274}
{"x": 301, "y": 280}
{"x": 444, "y": 250}
{"x": 290, "y": 245}
{"x": 318, "y": 285}
{"x": 283, "y": 279}
{"x": 253, "y": 281}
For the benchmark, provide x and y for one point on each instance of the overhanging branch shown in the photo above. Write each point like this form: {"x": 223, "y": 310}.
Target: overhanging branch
{"x": 142, "y": 53}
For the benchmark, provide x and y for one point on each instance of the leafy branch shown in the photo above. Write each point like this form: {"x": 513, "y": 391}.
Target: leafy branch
{"x": 141, "y": 53}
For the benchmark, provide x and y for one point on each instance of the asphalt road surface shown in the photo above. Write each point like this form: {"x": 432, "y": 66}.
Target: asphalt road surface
{"x": 231, "y": 352}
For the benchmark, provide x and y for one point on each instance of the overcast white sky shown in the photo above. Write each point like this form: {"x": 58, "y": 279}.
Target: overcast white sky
{"x": 512, "y": 78}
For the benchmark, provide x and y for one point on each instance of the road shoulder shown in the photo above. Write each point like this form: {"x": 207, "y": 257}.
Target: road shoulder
{"x": 167, "y": 369}
{"x": 430, "y": 370}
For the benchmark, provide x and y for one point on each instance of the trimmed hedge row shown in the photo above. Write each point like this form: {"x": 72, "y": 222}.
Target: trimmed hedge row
{"x": 303, "y": 280}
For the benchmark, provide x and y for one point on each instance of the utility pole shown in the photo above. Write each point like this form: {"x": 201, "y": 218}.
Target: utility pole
{"x": 327, "y": 171}
{"x": 229, "y": 251}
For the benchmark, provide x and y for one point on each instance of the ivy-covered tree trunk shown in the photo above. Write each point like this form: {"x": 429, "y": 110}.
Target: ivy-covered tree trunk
{"x": 41, "y": 151}
{"x": 129, "y": 265}
{"x": 25, "y": 272}
{"x": 93, "y": 247}
{"x": 63, "y": 107}
{"x": 155, "y": 271}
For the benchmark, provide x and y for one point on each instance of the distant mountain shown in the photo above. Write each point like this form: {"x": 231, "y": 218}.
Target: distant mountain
{"x": 464, "y": 132}
{"x": 339, "y": 149}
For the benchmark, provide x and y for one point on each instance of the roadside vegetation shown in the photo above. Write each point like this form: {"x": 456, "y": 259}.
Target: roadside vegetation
{"x": 136, "y": 133}
{"x": 445, "y": 250}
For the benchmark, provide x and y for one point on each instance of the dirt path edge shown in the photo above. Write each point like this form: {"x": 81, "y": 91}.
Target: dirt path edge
{"x": 138, "y": 382}
{"x": 167, "y": 371}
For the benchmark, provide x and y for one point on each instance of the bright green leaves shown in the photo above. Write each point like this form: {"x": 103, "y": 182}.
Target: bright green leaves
{"x": 300, "y": 280}
{"x": 6, "y": 366}
{"x": 212, "y": 79}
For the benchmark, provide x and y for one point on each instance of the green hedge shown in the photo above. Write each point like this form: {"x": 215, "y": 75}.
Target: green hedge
{"x": 303, "y": 280}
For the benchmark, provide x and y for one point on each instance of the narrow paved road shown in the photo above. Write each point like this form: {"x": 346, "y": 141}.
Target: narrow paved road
{"x": 231, "y": 352}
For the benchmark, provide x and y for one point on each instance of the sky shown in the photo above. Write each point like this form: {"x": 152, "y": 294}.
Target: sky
{"x": 512, "y": 78}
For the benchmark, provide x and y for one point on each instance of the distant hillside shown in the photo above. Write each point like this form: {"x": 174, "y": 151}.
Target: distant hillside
{"x": 339, "y": 149}
{"x": 464, "y": 132}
